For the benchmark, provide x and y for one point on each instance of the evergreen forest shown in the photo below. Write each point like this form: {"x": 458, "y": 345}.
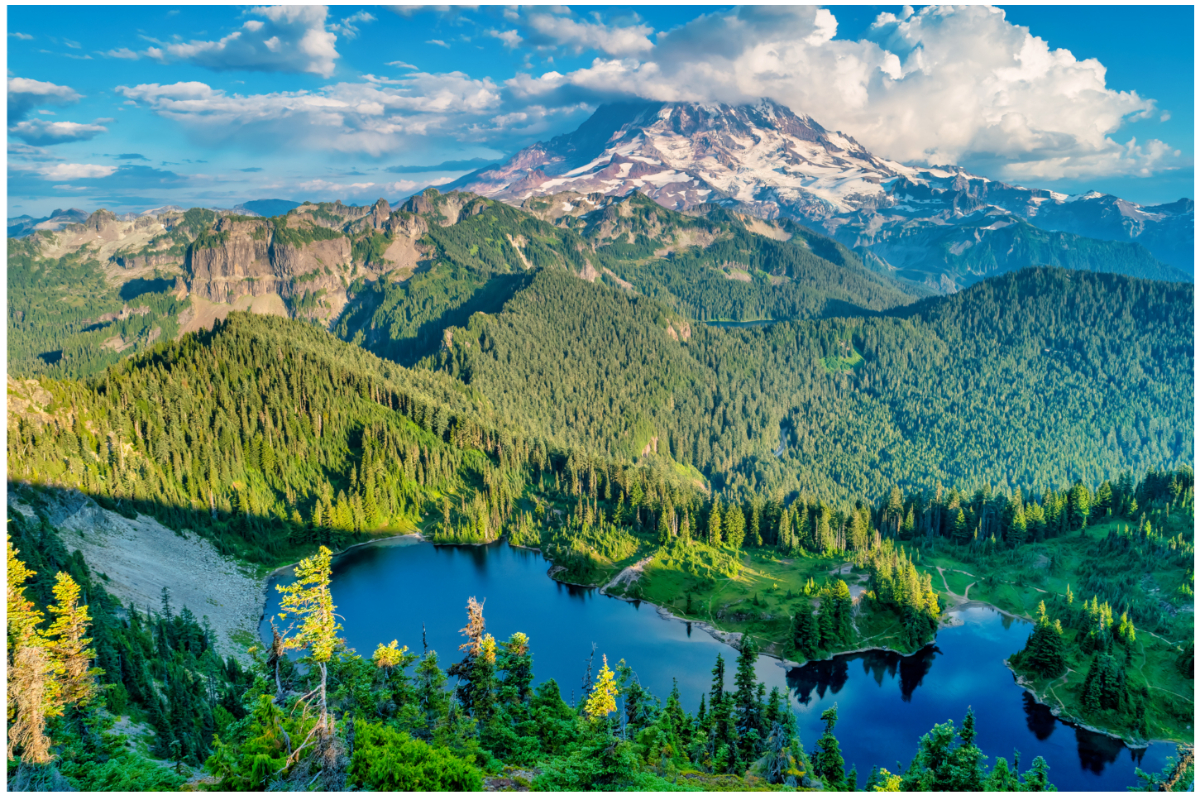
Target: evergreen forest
{"x": 735, "y": 420}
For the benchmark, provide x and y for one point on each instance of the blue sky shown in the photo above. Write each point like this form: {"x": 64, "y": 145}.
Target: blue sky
{"x": 138, "y": 106}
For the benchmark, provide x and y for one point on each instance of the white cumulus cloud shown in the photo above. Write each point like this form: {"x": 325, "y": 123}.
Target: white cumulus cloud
{"x": 372, "y": 118}
{"x": 943, "y": 85}
{"x": 348, "y": 27}
{"x": 581, "y": 35}
{"x": 510, "y": 38}
{"x": 40, "y": 132}
{"x": 25, "y": 93}
{"x": 71, "y": 172}
{"x": 285, "y": 39}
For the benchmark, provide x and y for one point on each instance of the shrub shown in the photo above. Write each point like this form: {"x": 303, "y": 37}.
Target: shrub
{"x": 388, "y": 760}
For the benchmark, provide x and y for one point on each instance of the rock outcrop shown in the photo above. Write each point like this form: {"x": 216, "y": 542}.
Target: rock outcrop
{"x": 223, "y": 265}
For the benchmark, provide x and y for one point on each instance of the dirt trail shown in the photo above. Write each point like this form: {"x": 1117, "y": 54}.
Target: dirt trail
{"x": 957, "y": 599}
{"x": 628, "y": 575}
{"x": 944, "y": 583}
{"x": 140, "y": 557}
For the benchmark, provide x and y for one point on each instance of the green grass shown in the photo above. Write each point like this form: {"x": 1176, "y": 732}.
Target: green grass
{"x": 957, "y": 581}
{"x": 843, "y": 364}
{"x": 1011, "y": 579}
{"x": 759, "y": 600}
{"x": 1170, "y": 711}
{"x": 1016, "y": 581}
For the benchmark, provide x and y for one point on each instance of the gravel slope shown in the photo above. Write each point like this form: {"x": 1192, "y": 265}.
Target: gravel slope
{"x": 141, "y": 556}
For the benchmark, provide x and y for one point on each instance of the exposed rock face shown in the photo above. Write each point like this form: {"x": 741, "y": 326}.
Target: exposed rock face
{"x": 246, "y": 259}
{"x": 289, "y": 261}
{"x": 220, "y": 270}
{"x": 104, "y": 232}
{"x": 146, "y": 260}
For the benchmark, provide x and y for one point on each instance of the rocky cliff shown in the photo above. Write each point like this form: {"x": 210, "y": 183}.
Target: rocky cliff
{"x": 310, "y": 258}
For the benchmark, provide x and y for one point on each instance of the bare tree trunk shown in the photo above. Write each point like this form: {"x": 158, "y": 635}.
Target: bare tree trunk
{"x": 26, "y": 691}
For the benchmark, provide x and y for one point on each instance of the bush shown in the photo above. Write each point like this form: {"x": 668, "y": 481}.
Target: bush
{"x": 388, "y": 760}
{"x": 126, "y": 772}
{"x": 117, "y": 699}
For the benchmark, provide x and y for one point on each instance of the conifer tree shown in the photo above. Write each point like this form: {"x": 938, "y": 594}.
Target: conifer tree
{"x": 735, "y": 526}
{"x": 70, "y": 645}
{"x": 748, "y": 710}
{"x": 602, "y": 700}
{"x": 714, "y": 524}
{"x": 806, "y": 636}
{"x": 316, "y": 627}
{"x": 784, "y": 537}
{"x": 827, "y": 760}
{"x": 960, "y": 530}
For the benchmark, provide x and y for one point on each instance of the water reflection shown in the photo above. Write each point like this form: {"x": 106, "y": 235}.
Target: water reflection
{"x": 1038, "y": 717}
{"x": 1097, "y": 751}
{"x": 395, "y": 591}
{"x": 821, "y": 676}
{"x": 831, "y": 675}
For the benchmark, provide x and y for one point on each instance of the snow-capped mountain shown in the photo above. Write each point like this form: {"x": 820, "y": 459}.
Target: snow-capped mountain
{"x": 766, "y": 160}
{"x": 683, "y": 154}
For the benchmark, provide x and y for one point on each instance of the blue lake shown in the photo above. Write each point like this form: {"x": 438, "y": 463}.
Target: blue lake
{"x": 394, "y": 590}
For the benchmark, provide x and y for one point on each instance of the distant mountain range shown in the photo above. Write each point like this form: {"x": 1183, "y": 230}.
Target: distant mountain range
{"x": 58, "y": 219}
{"x": 268, "y": 208}
{"x": 941, "y": 227}
{"x": 929, "y": 229}
{"x": 24, "y": 225}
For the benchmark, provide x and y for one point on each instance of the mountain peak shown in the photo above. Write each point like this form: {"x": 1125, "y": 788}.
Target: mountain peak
{"x": 762, "y": 158}
{"x": 685, "y": 153}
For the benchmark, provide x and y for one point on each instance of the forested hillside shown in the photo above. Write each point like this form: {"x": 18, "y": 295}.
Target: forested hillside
{"x": 990, "y": 244}
{"x": 66, "y": 320}
{"x": 717, "y": 265}
{"x": 270, "y": 438}
{"x": 713, "y": 265}
{"x": 579, "y": 322}
{"x": 393, "y": 280}
{"x": 1026, "y": 380}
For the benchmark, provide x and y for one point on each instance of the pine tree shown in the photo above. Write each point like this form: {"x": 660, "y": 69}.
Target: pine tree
{"x": 748, "y": 710}
{"x": 602, "y": 700}
{"x": 735, "y": 526}
{"x": 960, "y": 530}
{"x": 784, "y": 538}
{"x": 517, "y": 663}
{"x": 1078, "y": 506}
{"x": 70, "y": 644}
{"x": 714, "y": 524}
{"x": 34, "y": 693}
{"x": 308, "y": 600}
{"x": 827, "y": 760}
{"x": 806, "y": 636}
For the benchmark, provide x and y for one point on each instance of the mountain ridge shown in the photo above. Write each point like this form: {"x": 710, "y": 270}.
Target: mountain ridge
{"x": 768, "y": 161}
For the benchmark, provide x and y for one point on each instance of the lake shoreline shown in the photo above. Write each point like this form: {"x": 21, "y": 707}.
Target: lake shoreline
{"x": 416, "y": 536}
{"x": 733, "y": 638}
{"x": 1060, "y": 712}
{"x": 730, "y": 638}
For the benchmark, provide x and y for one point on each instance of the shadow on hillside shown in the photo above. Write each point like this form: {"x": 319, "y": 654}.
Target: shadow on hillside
{"x": 488, "y": 298}
{"x": 140, "y": 286}
{"x": 262, "y": 539}
{"x": 842, "y": 308}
